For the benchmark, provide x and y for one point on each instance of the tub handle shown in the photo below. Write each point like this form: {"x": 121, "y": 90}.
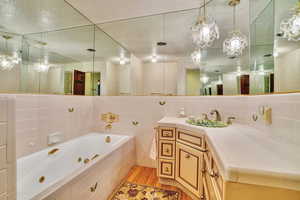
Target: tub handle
{"x": 94, "y": 188}
{"x": 95, "y": 156}
{"x": 86, "y": 161}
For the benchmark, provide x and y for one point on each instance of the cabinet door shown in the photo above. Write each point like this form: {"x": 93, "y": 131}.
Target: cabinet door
{"x": 189, "y": 166}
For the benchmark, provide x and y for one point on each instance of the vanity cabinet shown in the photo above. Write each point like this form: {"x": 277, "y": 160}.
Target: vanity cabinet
{"x": 180, "y": 159}
{"x": 189, "y": 164}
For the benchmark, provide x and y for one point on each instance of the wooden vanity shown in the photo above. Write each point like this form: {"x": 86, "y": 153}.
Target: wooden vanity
{"x": 187, "y": 160}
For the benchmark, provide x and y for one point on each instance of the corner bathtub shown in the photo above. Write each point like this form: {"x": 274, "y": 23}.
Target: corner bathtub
{"x": 63, "y": 166}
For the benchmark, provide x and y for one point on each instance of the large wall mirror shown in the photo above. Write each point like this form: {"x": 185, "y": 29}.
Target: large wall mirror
{"x": 62, "y": 52}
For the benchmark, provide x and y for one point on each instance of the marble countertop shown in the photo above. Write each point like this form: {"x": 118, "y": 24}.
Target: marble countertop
{"x": 246, "y": 155}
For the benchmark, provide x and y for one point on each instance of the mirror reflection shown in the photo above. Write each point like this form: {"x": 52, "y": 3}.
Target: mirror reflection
{"x": 243, "y": 48}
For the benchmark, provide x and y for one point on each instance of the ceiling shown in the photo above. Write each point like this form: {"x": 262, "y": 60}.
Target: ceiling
{"x": 140, "y": 35}
{"x": 100, "y": 11}
{"x": 33, "y": 16}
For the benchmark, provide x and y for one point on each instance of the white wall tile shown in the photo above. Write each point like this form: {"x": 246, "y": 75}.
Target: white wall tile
{"x": 3, "y": 110}
{"x": 2, "y": 157}
{"x": 3, "y": 133}
{"x": 3, "y": 181}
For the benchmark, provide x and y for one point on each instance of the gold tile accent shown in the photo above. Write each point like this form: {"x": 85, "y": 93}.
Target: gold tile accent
{"x": 110, "y": 117}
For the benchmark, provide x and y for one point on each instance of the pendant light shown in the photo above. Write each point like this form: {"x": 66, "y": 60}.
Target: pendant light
{"x": 205, "y": 31}
{"x": 196, "y": 57}
{"x": 291, "y": 26}
{"x": 236, "y": 43}
{"x": 8, "y": 60}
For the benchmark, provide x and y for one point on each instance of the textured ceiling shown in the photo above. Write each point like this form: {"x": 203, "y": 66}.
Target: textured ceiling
{"x": 140, "y": 35}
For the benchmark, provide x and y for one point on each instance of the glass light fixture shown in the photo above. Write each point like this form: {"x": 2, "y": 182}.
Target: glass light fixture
{"x": 261, "y": 70}
{"x": 196, "y": 57}
{"x": 154, "y": 58}
{"x": 291, "y": 26}
{"x": 122, "y": 61}
{"x": 204, "y": 79}
{"x": 205, "y": 31}
{"x": 42, "y": 67}
{"x": 8, "y": 60}
{"x": 237, "y": 42}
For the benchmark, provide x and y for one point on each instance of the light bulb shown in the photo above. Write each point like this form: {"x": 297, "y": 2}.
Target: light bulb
{"x": 122, "y": 61}
{"x": 235, "y": 44}
{"x": 154, "y": 59}
{"x": 204, "y": 79}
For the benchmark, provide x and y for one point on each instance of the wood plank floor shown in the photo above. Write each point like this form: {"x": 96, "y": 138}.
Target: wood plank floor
{"x": 147, "y": 176}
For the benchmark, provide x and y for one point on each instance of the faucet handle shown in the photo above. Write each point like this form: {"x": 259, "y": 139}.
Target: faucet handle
{"x": 205, "y": 116}
{"x": 230, "y": 119}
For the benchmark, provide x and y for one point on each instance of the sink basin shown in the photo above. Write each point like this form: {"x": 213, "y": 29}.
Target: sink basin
{"x": 207, "y": 123}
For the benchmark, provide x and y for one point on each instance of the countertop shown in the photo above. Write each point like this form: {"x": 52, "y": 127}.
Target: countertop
{"x": 246, "y": 155}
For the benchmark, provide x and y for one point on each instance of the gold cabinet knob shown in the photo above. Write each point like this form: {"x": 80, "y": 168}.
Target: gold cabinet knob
{"x": 167, "y": 150}
{"x": 86, "y": 161}
{"x": 187, "y": 156}
{"x": 167, "y": 169}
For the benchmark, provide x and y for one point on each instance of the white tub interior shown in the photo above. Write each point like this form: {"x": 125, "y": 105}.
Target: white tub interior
{"x": 62, "y": 166}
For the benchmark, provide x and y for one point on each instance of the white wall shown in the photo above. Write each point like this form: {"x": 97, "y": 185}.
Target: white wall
{"x": 136, "y": 76}
{"x": 160, "y": 78}
{"x": 230, "y": 86}
{"x": 287, "y": 72}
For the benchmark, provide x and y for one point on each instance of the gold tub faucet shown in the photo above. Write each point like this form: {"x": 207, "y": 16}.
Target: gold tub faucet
{"x": 53, "y": 151}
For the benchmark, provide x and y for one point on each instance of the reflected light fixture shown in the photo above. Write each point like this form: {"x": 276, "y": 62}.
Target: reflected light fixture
{"x": 236, "y": 43}
{"x": 42, "y": 67}
{"x": 154, "y": 58}
{"x": 238, "y": 71}
{"x": 204, "y": 79}
{"x": 261, "y": 70}
{"x": 291, "y": 27}
{"x": 8, "y": 60}
{"x": 196, "y": 57}
{"x": 205, "y": 31}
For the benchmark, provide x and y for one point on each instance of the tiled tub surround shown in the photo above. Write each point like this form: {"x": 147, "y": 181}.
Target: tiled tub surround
{"x": 7, "y": 149}
{"x": 147, "y": 111}
{"x": 89, "y": 167}
{"x": 38, "y": 116}
{"x": 246, "y": 156}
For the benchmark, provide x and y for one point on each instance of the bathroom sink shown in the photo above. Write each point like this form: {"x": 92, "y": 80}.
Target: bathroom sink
{"x": 207, "y": 123}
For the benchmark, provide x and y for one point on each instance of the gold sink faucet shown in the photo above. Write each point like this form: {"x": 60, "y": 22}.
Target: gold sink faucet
{"x": 217, "y": 114}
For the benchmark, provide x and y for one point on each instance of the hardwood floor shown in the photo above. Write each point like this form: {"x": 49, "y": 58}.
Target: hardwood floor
{"x": 147, "y": 176}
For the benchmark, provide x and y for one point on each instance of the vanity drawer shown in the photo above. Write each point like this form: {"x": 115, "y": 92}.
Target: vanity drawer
{"x": 166, "y": 133}
{"x": 3, "y": 133}
{"x": 189, "y": 138}
{"x": 166, "y": 149}
{"x": 166, "y": 168}
{"x": 3, "y": 181}
{"x": 3, "y": 159}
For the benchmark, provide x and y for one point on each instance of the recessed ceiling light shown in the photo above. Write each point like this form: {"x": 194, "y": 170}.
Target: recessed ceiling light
{"x": 161, "y": 43}
{"x": 91, "y": 50}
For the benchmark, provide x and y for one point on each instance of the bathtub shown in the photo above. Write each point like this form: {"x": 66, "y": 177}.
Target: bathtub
{"x": 41, "y": 174}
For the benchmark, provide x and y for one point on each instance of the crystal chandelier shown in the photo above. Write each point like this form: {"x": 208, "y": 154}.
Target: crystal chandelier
{"x": 205, "y": 31}
{"x": 236, "y": 43}
{"x": 204, "y": 79}
{"x": 8, "y": 60}
{"x": 196, "y": 57}
{"x": 291, "y": 27}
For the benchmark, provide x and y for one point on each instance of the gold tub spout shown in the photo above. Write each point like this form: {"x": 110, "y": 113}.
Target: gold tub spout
{"x": 53, "y": 151}
{"x": 107, "y": 139}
